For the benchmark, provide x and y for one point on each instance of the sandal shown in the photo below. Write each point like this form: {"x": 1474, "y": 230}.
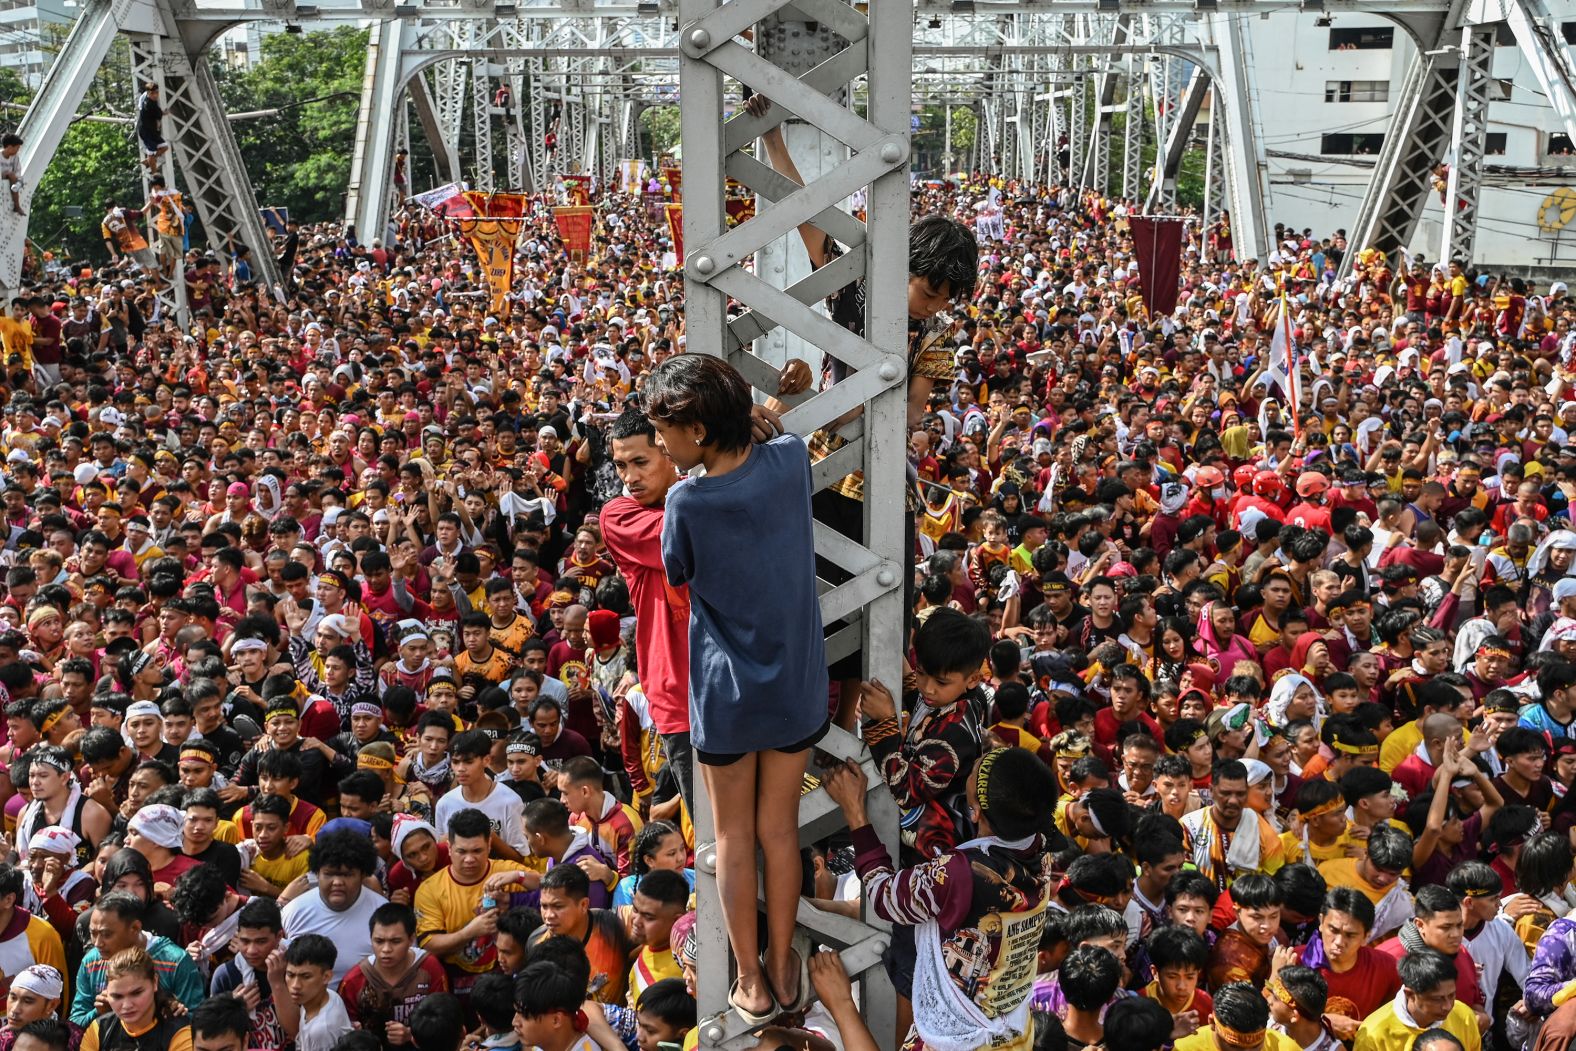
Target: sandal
{"x": 754, "y": 1021}
{"x": 806, "y": 994}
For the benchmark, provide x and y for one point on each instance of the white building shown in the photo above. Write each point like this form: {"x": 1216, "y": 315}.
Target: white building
{"x": 28, "y": 34}
{"x": 1325, "y": 95}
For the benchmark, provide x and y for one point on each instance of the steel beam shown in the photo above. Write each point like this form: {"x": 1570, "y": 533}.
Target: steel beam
{"x": 1468, "y": 141}
{"x": 1417, "y": 138}
{"x": 1534, "y": 26}
{"x": 212, "y": 171}
{"x": 47, "y": 118}
{"x": 1246, "y": 184}
{"x": 445, "y": 152}
{"x": 1179, "y": 133}
{"x": 372, "y": 158}
{"x": 716, "y": 269}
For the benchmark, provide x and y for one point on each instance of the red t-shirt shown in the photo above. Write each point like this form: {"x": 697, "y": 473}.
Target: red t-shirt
{"x": 633, "y": 534}
{"x": 1370, "y": 984}
{"x": 179, "y": 865}
{"x": 1467, "y": 989}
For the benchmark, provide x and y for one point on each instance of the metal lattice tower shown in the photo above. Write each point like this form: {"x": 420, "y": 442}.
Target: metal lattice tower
{"x": 877, "y": 52}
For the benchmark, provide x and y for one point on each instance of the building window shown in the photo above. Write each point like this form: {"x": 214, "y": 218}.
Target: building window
{"x": 1494, "y": 144}
{"x": 1504, "y": 36}
{"x": 1568, "y": 31}
{"x": 1560, "y": 145}
{"x": 1346, "y": 144}
{"x": 1357, "y": 91}
{"x": 1365, "y": 38}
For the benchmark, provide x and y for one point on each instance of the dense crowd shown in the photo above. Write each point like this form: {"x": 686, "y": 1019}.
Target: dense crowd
{"x": 361, "y": 648}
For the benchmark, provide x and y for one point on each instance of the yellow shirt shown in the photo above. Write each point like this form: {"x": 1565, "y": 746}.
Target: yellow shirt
{"x": 444, "y": 906}
{"x": 1291, "y": 844}
{"x": 227, "y": 832}
{"x": 1385, "y": 1030}
{"x": 17, "y": 337}
{"x": 1342, "y": 872}
{"x": 1402, "y": 742}
{"x": 651, "y": 967}
{"x": 1204, "y": 1040}
{"x": 281, "y": 870}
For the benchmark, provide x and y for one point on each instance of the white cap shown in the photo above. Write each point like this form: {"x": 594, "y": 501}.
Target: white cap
{"x": 84, "y": 473}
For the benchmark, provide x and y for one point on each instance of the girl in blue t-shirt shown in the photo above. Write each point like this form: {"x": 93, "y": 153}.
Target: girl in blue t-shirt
{"x": 740, "y": 537}
{"x": 659, "y": 845}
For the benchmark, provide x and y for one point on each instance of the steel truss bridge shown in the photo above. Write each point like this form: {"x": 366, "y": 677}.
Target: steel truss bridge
{"x": 1043, "y": 79}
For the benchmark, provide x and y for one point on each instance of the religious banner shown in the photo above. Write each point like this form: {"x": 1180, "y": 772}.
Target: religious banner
{"x": 579, "y": 187}
{"x": 739, "y": 209}
{"x": 676, "y": 229}
{"x": 493, "y": 240}
{"x": 631, "y": 173}
{"x": 497, "y": 205}
{"x": 574, "y": 227}
{"x": 674, "y": 177}
{"x": 447, "y": 200}
{"x": 1157, "y": 241}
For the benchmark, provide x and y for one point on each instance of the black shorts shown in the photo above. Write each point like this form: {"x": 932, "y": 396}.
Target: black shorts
{"x": 729, "y": 758}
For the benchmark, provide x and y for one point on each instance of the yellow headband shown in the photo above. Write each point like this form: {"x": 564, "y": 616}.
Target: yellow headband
{"x": 1278, "y": 990}
{"x": 982, "y": 779}
{"x": 1352, "y": 749}
{"x": 1338, "y": 803}
{"x": 373, "y": 762}
{"x": 197, "y": 755}
{"x": 49, "y": 723}
{"x": 1236, "y": 1037}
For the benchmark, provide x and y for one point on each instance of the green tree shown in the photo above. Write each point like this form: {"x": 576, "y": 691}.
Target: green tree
{"x": 661, "y": 128}
{"x": 299, "y": 156}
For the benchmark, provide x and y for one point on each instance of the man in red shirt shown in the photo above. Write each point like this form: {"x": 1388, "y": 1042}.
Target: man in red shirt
{"x": 632, "y": 531}
{"x": 1439, "y": 925}
{"x": 1361, "y": 979}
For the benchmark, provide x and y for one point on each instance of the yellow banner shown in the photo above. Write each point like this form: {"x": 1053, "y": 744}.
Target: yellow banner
{"x": 493, "y": 240}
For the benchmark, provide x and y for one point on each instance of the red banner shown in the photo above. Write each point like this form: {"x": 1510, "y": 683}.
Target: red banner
{"x": 574, "y": 228}
{"x": 739, "y": 209}
{"x": 497, "y": 205}
{"x": 579, "y": 188}
{"x": 674, "y": 177}
{"x": 1157, "y": 241}
{"x": 676, "y": 229}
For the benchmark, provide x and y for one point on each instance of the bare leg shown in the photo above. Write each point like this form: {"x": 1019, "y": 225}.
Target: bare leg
{"x": 732, "y": 790}
{"x": 781, "y": 780}
{"x": 847, "y": 704}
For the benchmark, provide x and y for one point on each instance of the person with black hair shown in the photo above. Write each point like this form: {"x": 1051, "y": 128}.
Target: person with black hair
{"x": 1243, "y": 951}
{"x": 661, "y": 898}
{"x": 455, "y": 921}
{"x": 1377, "y": 876}
{"x": 1501, "y": 955}
{"x": 547, "y": 1009}
{"x": 1190, "y": 900}
{"x": 1179, "y": 956}
{"x": 1010, "y": 794}
{"x": 664, "y": 1013}
{"x": 1358, "y": 977}
{"x": 341, "y": 907}
{"x": 476, "y": 789}
{"x": 258, "y": 932}
{"x": 1297, "y": 996}
{"x": 1437, "y": 923}
{"x": 314, "y": 1018}
{"x": 632, "y": 531}
{"x": 382, "y": 990}
{"x": 1427, "y": 999}
{"x": 1228, "y": 840}
{"x": 1240, "y": 1023}
{"x": 210, "y": 910}
{"x": 599, "y": 934}
{"x": 1160, "y": 857}
{"x": 221, "y": 1023}
{"x": 1090, "y": 977}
